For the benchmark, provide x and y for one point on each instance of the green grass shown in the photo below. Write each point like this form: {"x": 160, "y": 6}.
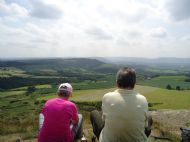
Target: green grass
{"x": 96, "y": 94}
{"x": 163, "y": 81}
{"x": 160, "y": 98}
{"x": 38, "y": 87}
{"x": 158, "y": 71}
{"x": 10, "y": 71}
{"x": 82, "y": 95}
{"x": 105, "y": 82}
{"x": 43, "y": 86}
{"x": 19, "y": 111}
{"x": 11, "y": 93}
{"x": 169, "y": 99}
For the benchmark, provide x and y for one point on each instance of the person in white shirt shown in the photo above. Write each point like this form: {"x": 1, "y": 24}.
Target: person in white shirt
{"x": 124, "y": 112}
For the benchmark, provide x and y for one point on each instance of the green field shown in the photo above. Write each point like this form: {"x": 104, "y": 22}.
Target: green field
{"x": 19, "y": 110}
{"x": 11, "y": 71}
{"x": 25, "y": 85}
{"x": 159, "y": 98}
{"x": 163, "y": 81}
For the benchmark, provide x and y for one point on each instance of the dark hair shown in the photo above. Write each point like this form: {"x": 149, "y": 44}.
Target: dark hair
{"x": 126, "y": 78}
{"x": 63, "y": 93}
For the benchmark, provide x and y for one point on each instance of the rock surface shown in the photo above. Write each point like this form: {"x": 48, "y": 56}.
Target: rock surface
{"x": 167, "y": 123}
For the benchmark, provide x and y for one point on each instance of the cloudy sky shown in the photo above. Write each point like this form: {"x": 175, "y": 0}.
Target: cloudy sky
{"x": 89, "y": 28}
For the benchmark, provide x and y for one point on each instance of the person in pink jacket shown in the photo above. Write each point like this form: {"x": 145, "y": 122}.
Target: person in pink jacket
{"x": 61, "y": 122}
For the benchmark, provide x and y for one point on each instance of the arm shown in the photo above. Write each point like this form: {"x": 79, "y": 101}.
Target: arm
{"x": 103, "y": 109}
{"x": 41, "y": 117}
{"x": 148, "y": 122}
{"x": 74, "y": 119}
{"x": 103, "y": 117}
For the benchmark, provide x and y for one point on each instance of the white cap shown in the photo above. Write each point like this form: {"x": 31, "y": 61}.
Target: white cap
{"x": 65, "y": 87}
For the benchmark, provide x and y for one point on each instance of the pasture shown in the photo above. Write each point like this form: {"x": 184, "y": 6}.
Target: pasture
{"x": 158, "y": 97}
{"x": 19, "y": 111}
{"x": 11, "y": 71}
{"x": 163, "y": 81}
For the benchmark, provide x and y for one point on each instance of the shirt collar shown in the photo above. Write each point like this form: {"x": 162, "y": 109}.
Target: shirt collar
{"x": 125, "y": 91}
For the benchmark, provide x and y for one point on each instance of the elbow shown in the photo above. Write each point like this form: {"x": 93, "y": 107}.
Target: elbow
{"x": 74, "y": 122}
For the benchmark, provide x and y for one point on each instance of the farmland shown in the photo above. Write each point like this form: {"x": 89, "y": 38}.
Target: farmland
{"x": 25, "y": 87}
{"x": 163, "y": 81}
{"x": 8, "y": 72}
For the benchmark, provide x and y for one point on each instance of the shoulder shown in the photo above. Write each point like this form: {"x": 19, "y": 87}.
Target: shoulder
{"x": 110, "y": 94}
{"x": 141, "y": 97}
{"x": 50, "y": 103}
{"x": 51, "y": 100}
{"x": 71, "y": 104}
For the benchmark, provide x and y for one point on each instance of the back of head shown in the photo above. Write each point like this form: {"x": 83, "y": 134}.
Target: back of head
{"x": 64, "y": 90}
{"x": 126, "y": 78}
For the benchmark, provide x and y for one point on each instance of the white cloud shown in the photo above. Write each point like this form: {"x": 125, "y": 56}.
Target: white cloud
{"x": 186, "y": 38}
{"x": 178, "y": 9}
{"x": 98, "y": 33}
{"x": 158, "y": 33}
{"x": 43, "y": 10}
{"x": 46, "y": 28}
{"x": 12, "y": 10}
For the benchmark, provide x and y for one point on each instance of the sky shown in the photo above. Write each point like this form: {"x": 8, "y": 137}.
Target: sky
{"x": 94, "y": 28}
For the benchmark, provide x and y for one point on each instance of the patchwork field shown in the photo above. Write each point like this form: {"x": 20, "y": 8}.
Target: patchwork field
{"x": 8, "y": 72}
{"x": 19, "y": 109}
{"x": 163, "y": 81}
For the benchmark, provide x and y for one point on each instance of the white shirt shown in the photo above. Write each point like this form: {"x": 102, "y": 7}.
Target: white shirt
{"x": 125, "y": 114}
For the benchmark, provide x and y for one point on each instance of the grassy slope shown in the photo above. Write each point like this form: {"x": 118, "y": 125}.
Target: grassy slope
{"x": 19, "y": 113}
{"x": 166, "y": 99}
{"x": 170, "y": 99}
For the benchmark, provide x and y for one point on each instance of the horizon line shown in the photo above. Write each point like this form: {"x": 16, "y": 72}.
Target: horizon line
{"x": 69, "y": 57}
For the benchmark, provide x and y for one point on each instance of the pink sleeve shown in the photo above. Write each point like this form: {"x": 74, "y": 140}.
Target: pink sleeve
{"x": 43, "y": 109}
{"x": 75, "y": 113}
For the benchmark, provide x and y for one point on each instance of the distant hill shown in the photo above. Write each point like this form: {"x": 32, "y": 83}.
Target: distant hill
{"x": 93, "y": 62}
{"x": 146, "y": 61}
{"x": 27, "y": 72}
{"x": 52, "y": 70}
{"x": 55, "y": 66}
{"x": 74, "y": 62}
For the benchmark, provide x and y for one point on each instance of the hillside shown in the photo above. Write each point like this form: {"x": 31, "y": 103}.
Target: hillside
{"x": 19, "y": 109}
{"x": 27, "y": 72}
{"x": 55, "y": 64}
{"x": 41, "y": 71}
{"x": 147, "y": 61}
{"x": 26, "y": 84}
{"x": 158, "y": 98}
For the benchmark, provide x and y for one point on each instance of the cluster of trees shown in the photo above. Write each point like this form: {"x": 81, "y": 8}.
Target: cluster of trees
{"x": 187, "y": 80}
{"x": 15, "y": 82}
{"x": 169, "y": 87}
{"x": 31, "y": 89}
